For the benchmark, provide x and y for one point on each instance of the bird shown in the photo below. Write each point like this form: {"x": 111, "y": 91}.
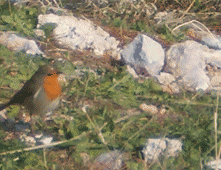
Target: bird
{"x": 41, "y": 93}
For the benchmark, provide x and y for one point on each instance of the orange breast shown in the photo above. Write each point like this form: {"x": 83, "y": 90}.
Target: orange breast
{"x": 52, "y": 87}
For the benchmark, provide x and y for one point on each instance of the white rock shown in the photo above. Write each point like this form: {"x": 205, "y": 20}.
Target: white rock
{"x": 144, "y": 52}
{"x": 214, "y": 58}
{"x": 214, "y": 42}
{"x": 39, "y": 33}
{"x": 186, "y": 61}
{"x": 159, "y": 16}
{"x": 174, "y": 146}
{"x": 132, "y": 71}
{"x": 80, "y": 34}
{"x": 216, "y": 164}
{"x": 29, "y": 141}
{"x": 45, "y": 140}
{"x": 165, "y": 78}
{"x": 16, "y": 43}
{"x": 2, "y": 115}
{"x": 111, "y": 160}
{"x": 155, "y": 148}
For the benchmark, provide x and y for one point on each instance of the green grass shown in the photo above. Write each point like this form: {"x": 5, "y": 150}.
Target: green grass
{"x": 107, "y": 97}
{"x": 111, "y": 96}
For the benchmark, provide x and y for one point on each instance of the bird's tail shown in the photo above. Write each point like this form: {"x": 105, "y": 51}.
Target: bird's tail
{"x": 3, "y": 106}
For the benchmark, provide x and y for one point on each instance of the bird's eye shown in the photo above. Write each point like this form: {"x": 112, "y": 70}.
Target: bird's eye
{"x": 49, "y": 74}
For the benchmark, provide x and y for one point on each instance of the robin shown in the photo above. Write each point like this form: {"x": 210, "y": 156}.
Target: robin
{"x": 40, "y": 94}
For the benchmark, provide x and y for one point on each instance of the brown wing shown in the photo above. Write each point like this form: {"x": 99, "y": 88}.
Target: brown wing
{"x": 28, "y": 90}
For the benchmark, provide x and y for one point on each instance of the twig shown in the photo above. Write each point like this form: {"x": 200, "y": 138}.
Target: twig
{"x": 208, "y": 31}
{"x": 207, "y": 13}
{"x": 187, "y": 9}
{"x": 215, "y": 124}
{"x": 41, "y": 2}
{"x": 60, "y": 3}
{"x": 140, "y": 129}
{"x": 192, "y": 22}
{"x": 9, "y": 6}
{"x": 185, "y": 102}
{"x": 57, "y": 49}
{"x": 98, "y": 130}
{"x": 125, "y": 78}
{"x": 43, "y": 146}
{"x": 56, "y": 3}
{"x": 122, "y": 119}
{"x": 49, "y": 3}
{"x": 45, "y": 161}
